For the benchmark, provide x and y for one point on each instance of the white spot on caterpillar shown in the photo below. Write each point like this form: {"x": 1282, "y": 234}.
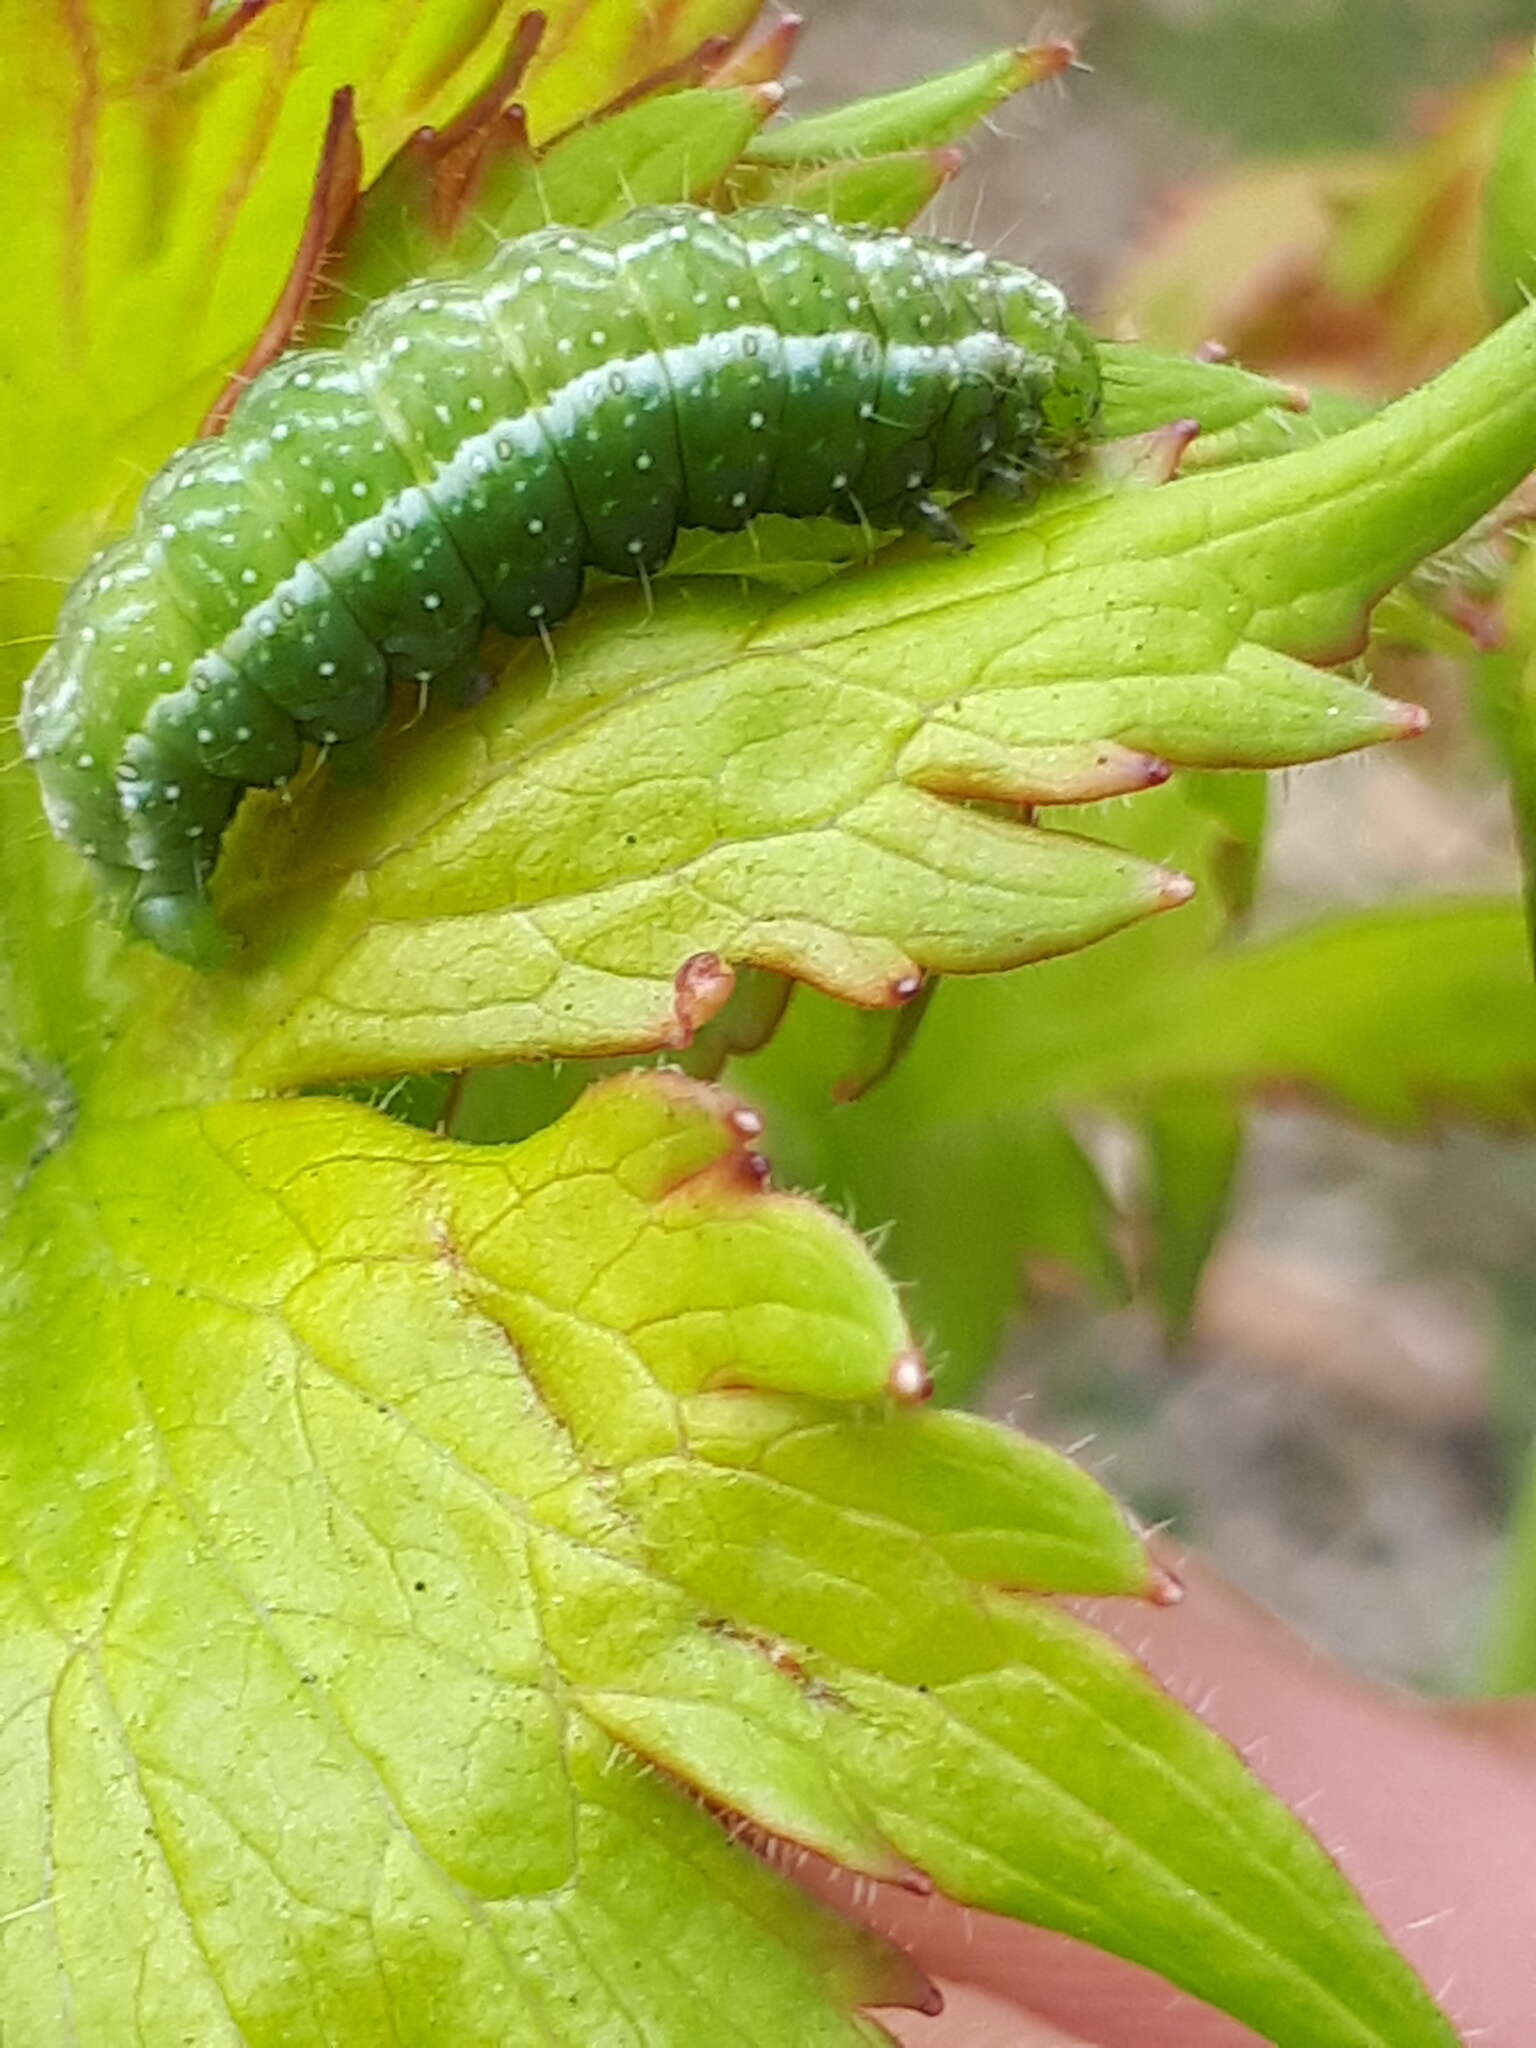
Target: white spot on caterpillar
{"x": 400, "y": 344}
{"x": 359, "y": 489}
{"x": 756, "y": 420}
{"x": 303, "y": 379}
{"x": 431, "y": 601}
{"x": 327, "y": 668}
{"x": 532, "y": 274}
{"x": 643, "y": 461}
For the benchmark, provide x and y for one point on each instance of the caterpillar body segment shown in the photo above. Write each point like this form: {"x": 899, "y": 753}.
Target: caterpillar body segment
{"x": 475, "y": 447}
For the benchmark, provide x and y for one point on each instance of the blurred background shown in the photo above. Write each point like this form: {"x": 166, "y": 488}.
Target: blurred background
{"x": 1344, "y": 1422}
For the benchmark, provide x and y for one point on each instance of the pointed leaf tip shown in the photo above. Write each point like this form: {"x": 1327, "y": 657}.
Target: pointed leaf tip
{"x": 1034, "y": 62}
{"x": 1164, "y": 1588}
{"x": 911, "y": 1383}
{"x": 1170, "y": 890}
{"x": 703, "y": 984}
{"x": 1405, "y": 721}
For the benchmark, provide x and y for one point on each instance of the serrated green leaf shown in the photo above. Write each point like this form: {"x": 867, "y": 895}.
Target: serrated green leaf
{"x": 280, "y": 1681}
{"x": 917, "y": 117}
{"x": 415, "y": 1529}
{"x": 964, "y": 1108}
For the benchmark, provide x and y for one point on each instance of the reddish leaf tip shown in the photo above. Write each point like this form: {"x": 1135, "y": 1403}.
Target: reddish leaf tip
{"x": 948, "y": 161}
{"x": 703, "y": 985}
{"x": 745, "y": 1122}
{"x": 1405, "y": 721}
{"x": 1213, "y": 352}
{"x": 1297, "y": 398}
{"x": 909, "y": 1380}
{"x": 1156, "y": 772}
{"x": 1172, "y": 442}
{"x": 1036, "y": 61}
{"x": 1164, "y": 1588}
{"x": 1170, "y": 889}
{"x": 906, "y": 986}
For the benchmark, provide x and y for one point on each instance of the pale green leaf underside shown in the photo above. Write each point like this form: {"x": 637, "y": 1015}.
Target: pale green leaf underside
{"x": 381, "y": 1502}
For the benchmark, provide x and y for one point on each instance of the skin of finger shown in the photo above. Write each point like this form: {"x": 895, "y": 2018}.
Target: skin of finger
{"x": 1434, "y": 1825}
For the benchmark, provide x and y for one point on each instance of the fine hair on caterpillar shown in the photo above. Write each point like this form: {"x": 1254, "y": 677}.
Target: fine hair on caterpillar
{"x": 471, "y": 449}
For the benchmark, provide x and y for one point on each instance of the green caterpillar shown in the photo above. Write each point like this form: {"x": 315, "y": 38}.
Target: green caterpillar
{"x": 471, "y": 450}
